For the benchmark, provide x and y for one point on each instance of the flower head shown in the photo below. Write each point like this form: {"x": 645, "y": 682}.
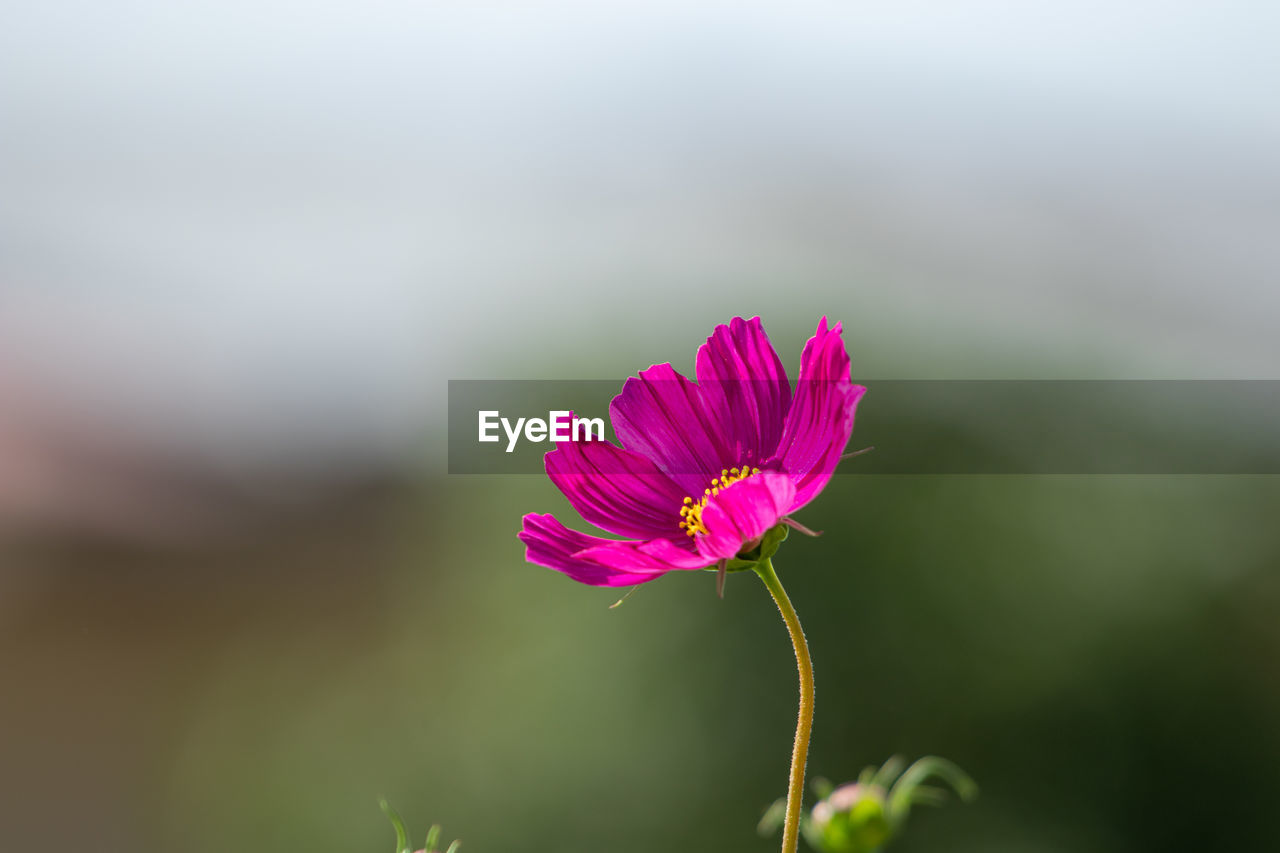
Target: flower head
{"x": 705, "y": 469}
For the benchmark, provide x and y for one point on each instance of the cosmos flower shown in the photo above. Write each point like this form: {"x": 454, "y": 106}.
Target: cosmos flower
{"x": 705, "y": 468}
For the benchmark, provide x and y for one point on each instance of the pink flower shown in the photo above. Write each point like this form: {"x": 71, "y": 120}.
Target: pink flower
{"x": 705, "y": 469}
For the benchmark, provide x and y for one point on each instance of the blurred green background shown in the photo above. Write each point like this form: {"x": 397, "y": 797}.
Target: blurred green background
{"x": 243, "y": 249}
{"x": 1097, "y": 651}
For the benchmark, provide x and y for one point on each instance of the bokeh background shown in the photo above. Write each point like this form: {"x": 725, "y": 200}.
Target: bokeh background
{"x": 243, "y": 246}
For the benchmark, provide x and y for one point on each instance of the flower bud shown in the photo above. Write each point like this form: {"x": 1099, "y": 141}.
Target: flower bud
{"x": 862, "y": 816}
{"x": 852, "y": 819}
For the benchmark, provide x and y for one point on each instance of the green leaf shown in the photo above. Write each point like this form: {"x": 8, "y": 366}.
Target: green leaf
{"x": 904, "y": 790}
{"x": 773, "y": 818}
{"x": 402, "y": 837}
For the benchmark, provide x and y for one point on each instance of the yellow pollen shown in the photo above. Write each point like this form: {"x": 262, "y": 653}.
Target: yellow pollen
{"x": 691, "y": 511}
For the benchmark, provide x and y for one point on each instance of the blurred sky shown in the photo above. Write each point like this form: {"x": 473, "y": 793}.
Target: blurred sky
{"x": 263, "y": 234}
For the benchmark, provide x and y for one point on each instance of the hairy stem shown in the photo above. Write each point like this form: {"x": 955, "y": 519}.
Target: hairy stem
{"x": 800, "y": 752}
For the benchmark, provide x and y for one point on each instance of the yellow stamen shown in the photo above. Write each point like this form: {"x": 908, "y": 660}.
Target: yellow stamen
{"x": 691, "y": 511}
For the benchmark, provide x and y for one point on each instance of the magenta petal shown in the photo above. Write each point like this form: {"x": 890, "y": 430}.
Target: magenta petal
{"x": 658, "y": 555}
{"x": 743, "y": 512}
{"x": 746, "y": 389}
{"x": 616, "y": 490}
{"x": 821, "y": 418}
{"x": 662, "y": 415}
{"x": 674, "y": 554}
{"x": 549, "y": 543}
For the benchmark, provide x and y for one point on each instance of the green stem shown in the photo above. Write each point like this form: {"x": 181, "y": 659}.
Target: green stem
{"x": 800, "y": 753}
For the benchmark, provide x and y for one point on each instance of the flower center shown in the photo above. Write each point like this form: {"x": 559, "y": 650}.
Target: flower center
{"x": 691, "y": 512}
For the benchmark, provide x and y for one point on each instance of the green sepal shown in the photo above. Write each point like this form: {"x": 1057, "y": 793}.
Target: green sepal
{"x": 772, "y": 541}
{"x": 769, "y": 545}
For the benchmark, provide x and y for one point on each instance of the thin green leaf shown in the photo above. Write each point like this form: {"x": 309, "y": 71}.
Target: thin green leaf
{"x": 889, "y": 771}
{"x": 929, "y": 795}
{"x": 773, "y": 818}
{"x": 931, "y": 766}
{"x": 402, "y": 837}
